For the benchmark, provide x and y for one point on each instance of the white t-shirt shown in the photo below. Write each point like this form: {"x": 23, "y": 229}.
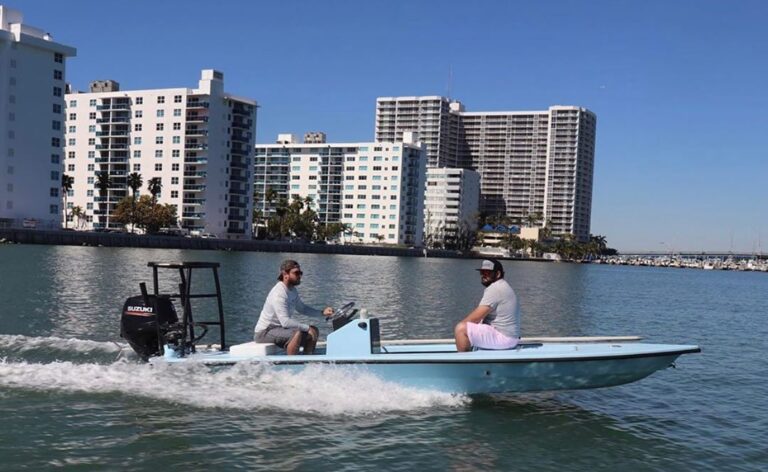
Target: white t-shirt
{"x": 278, "y": 307}
{"x": 505, "y": 309}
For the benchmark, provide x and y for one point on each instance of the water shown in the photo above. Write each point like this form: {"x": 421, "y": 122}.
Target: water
{"x": 72, "y": 397}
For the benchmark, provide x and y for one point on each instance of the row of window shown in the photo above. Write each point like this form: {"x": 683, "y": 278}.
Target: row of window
{"x": 138, "y": 101}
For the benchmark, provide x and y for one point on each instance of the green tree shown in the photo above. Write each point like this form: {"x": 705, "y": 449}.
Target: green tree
{"x": 134, "y": 182}
{"x": 104, "y": 183}
{"x": 66, "y": 185}
{"x": 145, "y": 213}
{"x": 77, "y": 212}
{"x": 155, "y": 186}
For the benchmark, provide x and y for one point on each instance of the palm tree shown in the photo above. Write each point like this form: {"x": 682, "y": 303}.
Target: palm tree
{"x": 134, "y": 182}
{"x": 77, "y": 212}
{"x": 66, "y": 185}
{"x": 155, "y": 185}
{"x": 104, "y": 182}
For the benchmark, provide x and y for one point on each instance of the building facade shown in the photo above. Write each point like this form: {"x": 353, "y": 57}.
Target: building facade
{"x": 375, "y": 189}
{"x": 451, "y": 204}
{"x": 32, "y": 74}
{"x": 530, "y": 162}
{"x": 198, "y": 142}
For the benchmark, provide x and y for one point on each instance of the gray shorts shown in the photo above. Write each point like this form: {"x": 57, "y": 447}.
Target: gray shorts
{"x": 278, "y": 335}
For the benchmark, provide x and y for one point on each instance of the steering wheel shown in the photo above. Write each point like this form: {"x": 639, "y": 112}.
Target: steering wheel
{"x": 342, "y": 313}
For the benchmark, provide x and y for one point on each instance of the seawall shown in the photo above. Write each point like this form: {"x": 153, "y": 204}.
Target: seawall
{"x": 80, "y": 238}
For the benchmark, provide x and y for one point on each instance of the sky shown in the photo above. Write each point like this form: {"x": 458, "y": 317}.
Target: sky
{"x": 678, "y": 86}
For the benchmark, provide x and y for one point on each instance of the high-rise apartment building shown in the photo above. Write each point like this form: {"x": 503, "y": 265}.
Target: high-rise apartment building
{"x": 376, "y": 189}
{"x": 32, "y": 73}
{"x": 530, "y": 162}
{"x": 198, "y": 142}
{"x": 451, "y": 204}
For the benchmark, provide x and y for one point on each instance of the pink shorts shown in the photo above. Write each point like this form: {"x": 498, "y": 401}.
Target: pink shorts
{"x": 487, "y": 337}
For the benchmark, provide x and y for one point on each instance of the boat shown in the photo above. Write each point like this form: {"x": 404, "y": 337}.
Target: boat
{"x": 152, "y": 327}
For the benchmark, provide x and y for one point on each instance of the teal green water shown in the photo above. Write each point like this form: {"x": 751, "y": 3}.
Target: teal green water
{"x": 72, "y": 398}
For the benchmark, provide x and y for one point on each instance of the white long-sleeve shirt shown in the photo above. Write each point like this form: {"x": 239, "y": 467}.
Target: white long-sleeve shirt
{"x": 278, "y": 307}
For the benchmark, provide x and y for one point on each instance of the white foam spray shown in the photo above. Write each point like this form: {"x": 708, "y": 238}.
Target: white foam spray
{"x": 322, "y": 390}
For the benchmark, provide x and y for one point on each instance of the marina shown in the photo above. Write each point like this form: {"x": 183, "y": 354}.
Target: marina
{"x": 738, "y": 263}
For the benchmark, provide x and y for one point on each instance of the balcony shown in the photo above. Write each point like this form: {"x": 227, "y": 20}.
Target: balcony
{"x": 194, "y": 188}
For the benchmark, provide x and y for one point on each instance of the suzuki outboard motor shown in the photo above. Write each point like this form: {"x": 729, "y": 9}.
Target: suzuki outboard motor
{"x": 148, "y": 321}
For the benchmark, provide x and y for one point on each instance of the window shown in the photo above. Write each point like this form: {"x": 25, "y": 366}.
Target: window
{"x": 90, "y": 180}
{"x": 139, "y": 100}
{"x": 363, "y": 158}
{"x": 159, "y": 127}
{"x": 177, "y": 99}
{"x": 174, "y": 167}
{"x": 361, "y": 206}
{"x": 89, "y": 206}
{"x": 174, "y": 181}
{"x": 160, "y": 113}
{"x": 55, "y": 142}
{"x": 175, "y": 153}
{"x": 70, "y": 167}
{"x": 58, "y": 57}
{"x": 137, "y": 153}
{"x": 73, "y": 104}
{"x": 137, "y": 127}
{"x": 57, "y": 74}
{"x": 57, "y": 91}
{"x": 54, "y": 192}
{"x": 90, "y": 168}
{"x": 71, "y": 154}
{"x": 176, "y": 126}
{"x": 89, "y": 193}
{"x": 73, "y": 116}
{"x": 395, "y": 168}
{"x": 362, "y": 177}
{"x": 137, "y": 140}
{"x": 57, "y": 108}
{"x": 92, "y": 102}
{"x": 158, "y": 167}
{"x": 137, "y": 167}
{"x": 362, "y": 187}
{"x": 377, "y": 168}
{"x": 295, "y": 186}
{"x": 92, "y": 115}
{"x": 92, "y": 128}
{"x": 56, "y": 125}
{"x": 54, "y": 209}
{"x": 176, "y": 139}
{"x": 138, "y": 114}
{"x": 91, "y": 154}
{"x": 54, "y": 158}
{"x": 350, "y": 159}
{"x": 159, "y": 153}
{"x": 364, "y": 168}
{"x": 91, "y": 141}
{"x": 174, "y": 194}
{"x": 55, "y": 175}
{"x": 159, "y": 140}
{"x": 377, "y": 158}
{"x": 177, "y": 112}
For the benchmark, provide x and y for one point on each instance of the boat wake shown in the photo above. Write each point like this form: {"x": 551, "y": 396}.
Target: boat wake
{"x": 319, "y": 389}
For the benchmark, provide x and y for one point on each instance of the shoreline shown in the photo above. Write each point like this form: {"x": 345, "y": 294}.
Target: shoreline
{"x": 89, "y": 238}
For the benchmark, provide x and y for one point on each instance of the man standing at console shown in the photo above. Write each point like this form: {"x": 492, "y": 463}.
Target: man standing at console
{"x": 275, "y": 324}
{"x": 495, "y": 323}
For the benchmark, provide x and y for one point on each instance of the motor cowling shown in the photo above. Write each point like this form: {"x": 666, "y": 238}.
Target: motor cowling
{"x": 148, "y": 321}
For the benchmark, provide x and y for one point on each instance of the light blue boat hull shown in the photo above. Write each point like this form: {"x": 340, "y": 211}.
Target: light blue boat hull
{"x": 543, "y": 367}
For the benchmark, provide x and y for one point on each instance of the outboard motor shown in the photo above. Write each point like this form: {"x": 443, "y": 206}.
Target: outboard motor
{"x": 148, "y": 321}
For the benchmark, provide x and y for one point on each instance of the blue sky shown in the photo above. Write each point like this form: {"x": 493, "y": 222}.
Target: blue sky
{"x": 679, "y": 87}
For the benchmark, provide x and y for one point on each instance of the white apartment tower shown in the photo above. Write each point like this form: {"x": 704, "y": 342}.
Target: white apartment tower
{"x": 199, "y": 142}
{"x": 530, "y": 162}
{"x": 374, "y": 188}
{"x": 451, "y": 204}
{"x": 32, "y": 73}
